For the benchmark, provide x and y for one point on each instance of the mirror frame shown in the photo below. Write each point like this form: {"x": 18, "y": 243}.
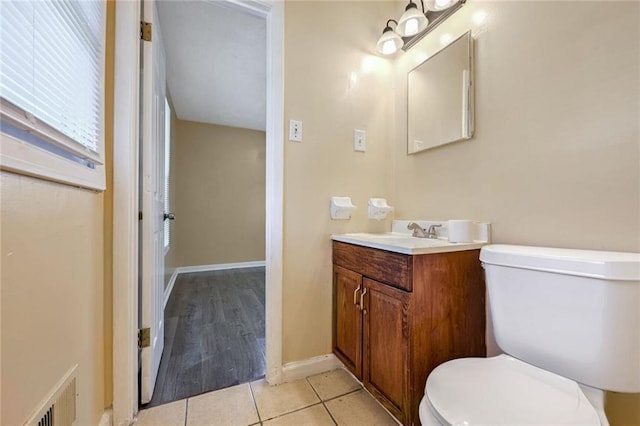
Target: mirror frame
{"x": 469, "y": 99}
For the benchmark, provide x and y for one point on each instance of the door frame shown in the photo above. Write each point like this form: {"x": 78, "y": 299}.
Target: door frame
{"x": 125, "y": 198}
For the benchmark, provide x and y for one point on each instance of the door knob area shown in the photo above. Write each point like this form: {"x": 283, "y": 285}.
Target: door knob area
{"x": 169, "y": 216}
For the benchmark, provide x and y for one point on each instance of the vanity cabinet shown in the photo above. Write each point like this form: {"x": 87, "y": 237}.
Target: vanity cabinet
{"x": 396, "y": 317}
{"x": 371, "y": 333}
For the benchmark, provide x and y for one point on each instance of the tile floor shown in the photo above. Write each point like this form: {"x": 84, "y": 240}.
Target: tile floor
{"x": 333, "y": 398}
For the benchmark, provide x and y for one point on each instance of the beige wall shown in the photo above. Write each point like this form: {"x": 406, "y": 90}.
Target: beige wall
{"x": 52, "y": 295}
{"x": 555, "y": 159}
{"x": 548, "y": 165}
{"x": 219, "y": 196}
{"x": 56, "y": 306}
{"x": 326, "y": 44}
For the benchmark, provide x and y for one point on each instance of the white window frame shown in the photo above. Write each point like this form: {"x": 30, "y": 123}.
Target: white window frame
{"x": 24, "y": 157}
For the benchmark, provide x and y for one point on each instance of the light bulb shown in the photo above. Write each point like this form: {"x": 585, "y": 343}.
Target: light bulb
{"x": 411, "y": 27}
{"x": 438, "y": 5}
{"x": 389, "y": 42}
{"x": 388, "y": 47}
{"x": 412, "y": 22}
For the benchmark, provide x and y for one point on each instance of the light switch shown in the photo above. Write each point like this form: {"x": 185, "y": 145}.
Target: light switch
{"x": 359, "y": 140}
{"x": 295, "y": 131}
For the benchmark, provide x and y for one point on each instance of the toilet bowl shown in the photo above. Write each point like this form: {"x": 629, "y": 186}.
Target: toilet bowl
{"x": 566, "y": 320}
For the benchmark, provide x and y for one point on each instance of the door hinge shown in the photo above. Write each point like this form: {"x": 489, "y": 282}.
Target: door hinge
{"x": 139, "y": 215}
{"x": 144, "y": 337}
{"x": 145, "y": 30}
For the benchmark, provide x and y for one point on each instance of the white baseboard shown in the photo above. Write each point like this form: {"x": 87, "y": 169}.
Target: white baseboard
{"x": 297, "y": 370}
{"x": 169, "y": 289}
{"x": 219, "y": 266}
{"x": 204, "y": 268}
{"x": 107, "y": 418}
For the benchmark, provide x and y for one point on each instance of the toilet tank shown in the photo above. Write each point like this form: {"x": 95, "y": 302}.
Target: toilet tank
{"x": 573, "y": 312}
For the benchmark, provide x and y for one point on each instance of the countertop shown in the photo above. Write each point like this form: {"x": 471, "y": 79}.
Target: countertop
{"x": 405, "y": 243}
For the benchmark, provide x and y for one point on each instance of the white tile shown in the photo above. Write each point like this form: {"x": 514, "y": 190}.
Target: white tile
{"x": 171, "y": 414}
{"x": 333, "y": 383}
{"x": 316, "y": 415}
{"x": 273, "y": 401}
{"x": 230, "y": 407}
{"x": 359, "y": 408}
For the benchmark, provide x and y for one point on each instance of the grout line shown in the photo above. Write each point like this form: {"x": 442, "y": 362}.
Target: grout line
{"x": 255, "y": 404}
{"x": 302, "y": 408}
{"x": 312, "y": 388}
{"x": 383, "y": 407}
{"x": 321, "y": 401}
{"x": 329, "y": 412}
{"x": 336, "y": 397}
{"x": 344, "y": 394}
{"x": 294, "y": 411}
{"x": 186, "y": 411}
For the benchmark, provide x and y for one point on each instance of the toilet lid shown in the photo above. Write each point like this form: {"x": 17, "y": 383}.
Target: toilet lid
{"x": 505, "y": 391}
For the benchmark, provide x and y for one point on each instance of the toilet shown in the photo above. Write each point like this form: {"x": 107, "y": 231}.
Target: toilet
{"x": 568, "y": 322}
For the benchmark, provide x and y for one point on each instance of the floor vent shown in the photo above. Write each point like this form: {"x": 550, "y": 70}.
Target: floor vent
{"x": 59, "y": 409}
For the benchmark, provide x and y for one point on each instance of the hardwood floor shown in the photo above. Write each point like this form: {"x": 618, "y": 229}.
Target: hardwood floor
{"x": 214, "y": 333}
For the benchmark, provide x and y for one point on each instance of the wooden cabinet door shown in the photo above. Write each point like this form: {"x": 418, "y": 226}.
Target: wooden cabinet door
{"x": 347, "y": 317}
{"x": 386, "y": 344}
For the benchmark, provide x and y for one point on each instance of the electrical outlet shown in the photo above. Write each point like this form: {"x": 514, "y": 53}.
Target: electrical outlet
{"x": 359, "y": 140}
{"x": 295, "y": 131}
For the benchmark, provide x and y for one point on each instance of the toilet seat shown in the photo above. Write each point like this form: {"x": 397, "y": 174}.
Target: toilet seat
{"x": 505, "y": 391}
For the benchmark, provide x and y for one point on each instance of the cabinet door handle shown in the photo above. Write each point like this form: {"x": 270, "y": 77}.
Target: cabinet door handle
{"x": 362, "y": 300}
{"x": 355, "y": 296}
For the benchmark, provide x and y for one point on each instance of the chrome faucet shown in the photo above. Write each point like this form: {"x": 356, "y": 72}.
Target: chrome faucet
{"x": 420, "y": 232}
{"x": 431, "y": 233}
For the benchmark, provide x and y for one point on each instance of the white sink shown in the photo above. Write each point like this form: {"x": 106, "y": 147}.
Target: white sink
{"x": 405, "y": 243}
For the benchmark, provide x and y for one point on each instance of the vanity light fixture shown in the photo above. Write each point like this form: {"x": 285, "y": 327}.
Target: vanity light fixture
{"x": 389, "y": 42}
{"x": 415, "y": 24}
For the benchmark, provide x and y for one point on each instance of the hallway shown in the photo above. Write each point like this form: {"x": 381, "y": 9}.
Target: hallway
{"x": 214, "y": 333}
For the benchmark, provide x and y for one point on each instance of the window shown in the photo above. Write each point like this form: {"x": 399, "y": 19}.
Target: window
{"x": 167, "y": 168}
{"x": 52, "y": 89}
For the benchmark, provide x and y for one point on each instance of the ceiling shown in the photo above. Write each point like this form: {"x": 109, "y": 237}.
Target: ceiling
{"x": 216, "y": 62}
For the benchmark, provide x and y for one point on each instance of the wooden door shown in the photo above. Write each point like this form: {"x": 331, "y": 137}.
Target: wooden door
{"x": 386, "y": 344}
{"x": 152, "y": 202}
{"x": 347, "y": 317}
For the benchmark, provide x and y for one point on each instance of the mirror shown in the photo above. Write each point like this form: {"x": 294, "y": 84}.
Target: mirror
{"x": 440, "y": 97}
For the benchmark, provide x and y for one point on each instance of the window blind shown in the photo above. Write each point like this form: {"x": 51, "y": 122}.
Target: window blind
{"x": 52, "y": 71}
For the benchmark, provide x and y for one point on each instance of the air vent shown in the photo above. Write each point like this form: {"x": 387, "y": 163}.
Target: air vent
{"x": 47, "y": 419}
{"x": 59, "y": 409}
